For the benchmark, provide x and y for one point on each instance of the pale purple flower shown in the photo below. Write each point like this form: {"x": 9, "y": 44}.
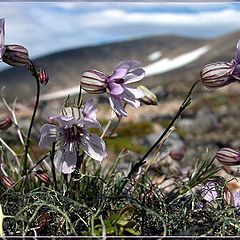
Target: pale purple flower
{"x": 14, "y": 55}
{"x": 72, "y": 133}
{"x": 210, "y": 192}
{"x": 220, "y": 74}
{"x": 236, "y": 199}
{"x": 115, "y": 85}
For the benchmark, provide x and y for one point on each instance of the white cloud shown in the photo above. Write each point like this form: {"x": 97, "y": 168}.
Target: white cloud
{"x": 47, "y": 27}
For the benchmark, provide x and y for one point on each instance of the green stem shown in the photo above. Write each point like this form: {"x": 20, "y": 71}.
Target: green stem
{"x": 79, "y": 96}
{"x": 142, "y": 161}
{"x": 53, "y": 167}
{"x": 184, "y": 105}
{"x": 27, "y": 143}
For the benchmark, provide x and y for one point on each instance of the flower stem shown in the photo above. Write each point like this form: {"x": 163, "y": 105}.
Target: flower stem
{"x": 52, "y": 165}
{"x": 27, "y": 143}
{"x": 142, "y": 161}
{"x": 79, "y": 96}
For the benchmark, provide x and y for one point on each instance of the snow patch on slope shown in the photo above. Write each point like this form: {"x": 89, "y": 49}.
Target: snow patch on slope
{"x": 166, "y": 64}
{"x": 158, "y": 67}
{"x": 154, "y": 56}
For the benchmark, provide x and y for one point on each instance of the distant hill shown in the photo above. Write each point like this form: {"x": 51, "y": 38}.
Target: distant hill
{"x": 66, "y": 67}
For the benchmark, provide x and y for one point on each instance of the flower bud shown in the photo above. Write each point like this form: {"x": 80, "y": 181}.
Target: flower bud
{"x": 16, "y": 55}
{"x": 5, "y": 123}
{"x": 149, "y": 98}
{"x": 228, "y": 156}
{"x": 42, "y": 176}
{"x": 42, "y": 76}
{"x": 216, "y": 75}
{"x": 94, "y": 82}
{"x": 177, "y": 154}
{"x": 6, "y": 181}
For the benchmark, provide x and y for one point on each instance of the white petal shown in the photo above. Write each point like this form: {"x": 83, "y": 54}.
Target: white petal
{"x": 136, "y": 92}
{"x": 134, "y": 76}
{"x": 130, "y": 98}
{"x": 65, "y": 162}
{"x": 94, "y": 146}
{"x": 58, "y": 160}
{"x": 117, "y": 106}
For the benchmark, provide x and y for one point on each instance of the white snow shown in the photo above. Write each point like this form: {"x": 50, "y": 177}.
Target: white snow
{"x": 154, "y": 56}
{"x": 158, "y": 67}
{"x": 166, "y": 64}
{"x": 60, "y": 94}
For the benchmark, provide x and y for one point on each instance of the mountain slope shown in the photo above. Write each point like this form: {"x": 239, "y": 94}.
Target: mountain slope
{"x": 65, "y": 68}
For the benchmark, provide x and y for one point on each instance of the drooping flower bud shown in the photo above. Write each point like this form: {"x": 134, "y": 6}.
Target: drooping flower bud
{"x": 16, "y": 55}
{"x": 150, "y": 98}
{"x": 94, "y": 81}
{"x": 5, "y": 123}
{"x": 42, "y": 176}
{"x": 228, "y": 156}
{"x": 42, "y": 76}
{"x": 6, "y": 181}
{"x": 216, "y": 75}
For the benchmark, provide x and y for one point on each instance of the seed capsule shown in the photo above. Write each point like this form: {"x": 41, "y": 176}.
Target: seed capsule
{"x": 6, "y": 181}
{"x": 42, "y": 76}
{"x": 42, "y": 176}
{"x": 216, "y": 75}
{"x": 5, "y": 123}
{"x": 149, "y": 98}
{"x": 228, "y": 156}
{"x": 16, "y": 55}
{"x": 94, "y": 82}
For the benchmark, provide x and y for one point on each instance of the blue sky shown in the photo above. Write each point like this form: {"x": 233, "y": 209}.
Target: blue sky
{"x": 47, "y": 27}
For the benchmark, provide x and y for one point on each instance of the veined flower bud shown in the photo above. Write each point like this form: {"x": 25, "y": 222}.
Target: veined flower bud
{"x": 16, "y": 55}
{"x": 216, "y": 75}
{"x": 42, "y": 76}
{"x": 5, "y": 123}
{"x": 6, "y": 181}
{"x": 94, "y": 82}
{"x": 149, "y": 98}
{"x": 42, "y": 176}
{"x": 228, "y": 156}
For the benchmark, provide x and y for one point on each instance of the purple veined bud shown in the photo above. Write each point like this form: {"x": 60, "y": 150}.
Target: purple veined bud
{"x": 150, "y": 98}
{"x": 228, "y": 156}
{"x": 42, "y": 176}
{"x": 228, "y": 196}
{"x": 5, "y": 123}
{"x": 16, "y": 55}
{"x": 42, "y": 76}
{"x": 6, "y": 181}
{"x": 216, "y": 75}
{"x": 94, "y": 82}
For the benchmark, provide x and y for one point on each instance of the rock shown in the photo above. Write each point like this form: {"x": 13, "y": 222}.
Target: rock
{"x": 173, "y": 143}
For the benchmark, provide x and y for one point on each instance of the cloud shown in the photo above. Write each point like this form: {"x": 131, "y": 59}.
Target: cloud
{"x": 49, "y": 27}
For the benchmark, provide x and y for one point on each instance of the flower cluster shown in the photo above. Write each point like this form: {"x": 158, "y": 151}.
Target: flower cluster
{"x": 72, "y": 128}
{"x": 115, "y": 85}
{"x": 220, "y": 74}
{"x": 72, "y": 133}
